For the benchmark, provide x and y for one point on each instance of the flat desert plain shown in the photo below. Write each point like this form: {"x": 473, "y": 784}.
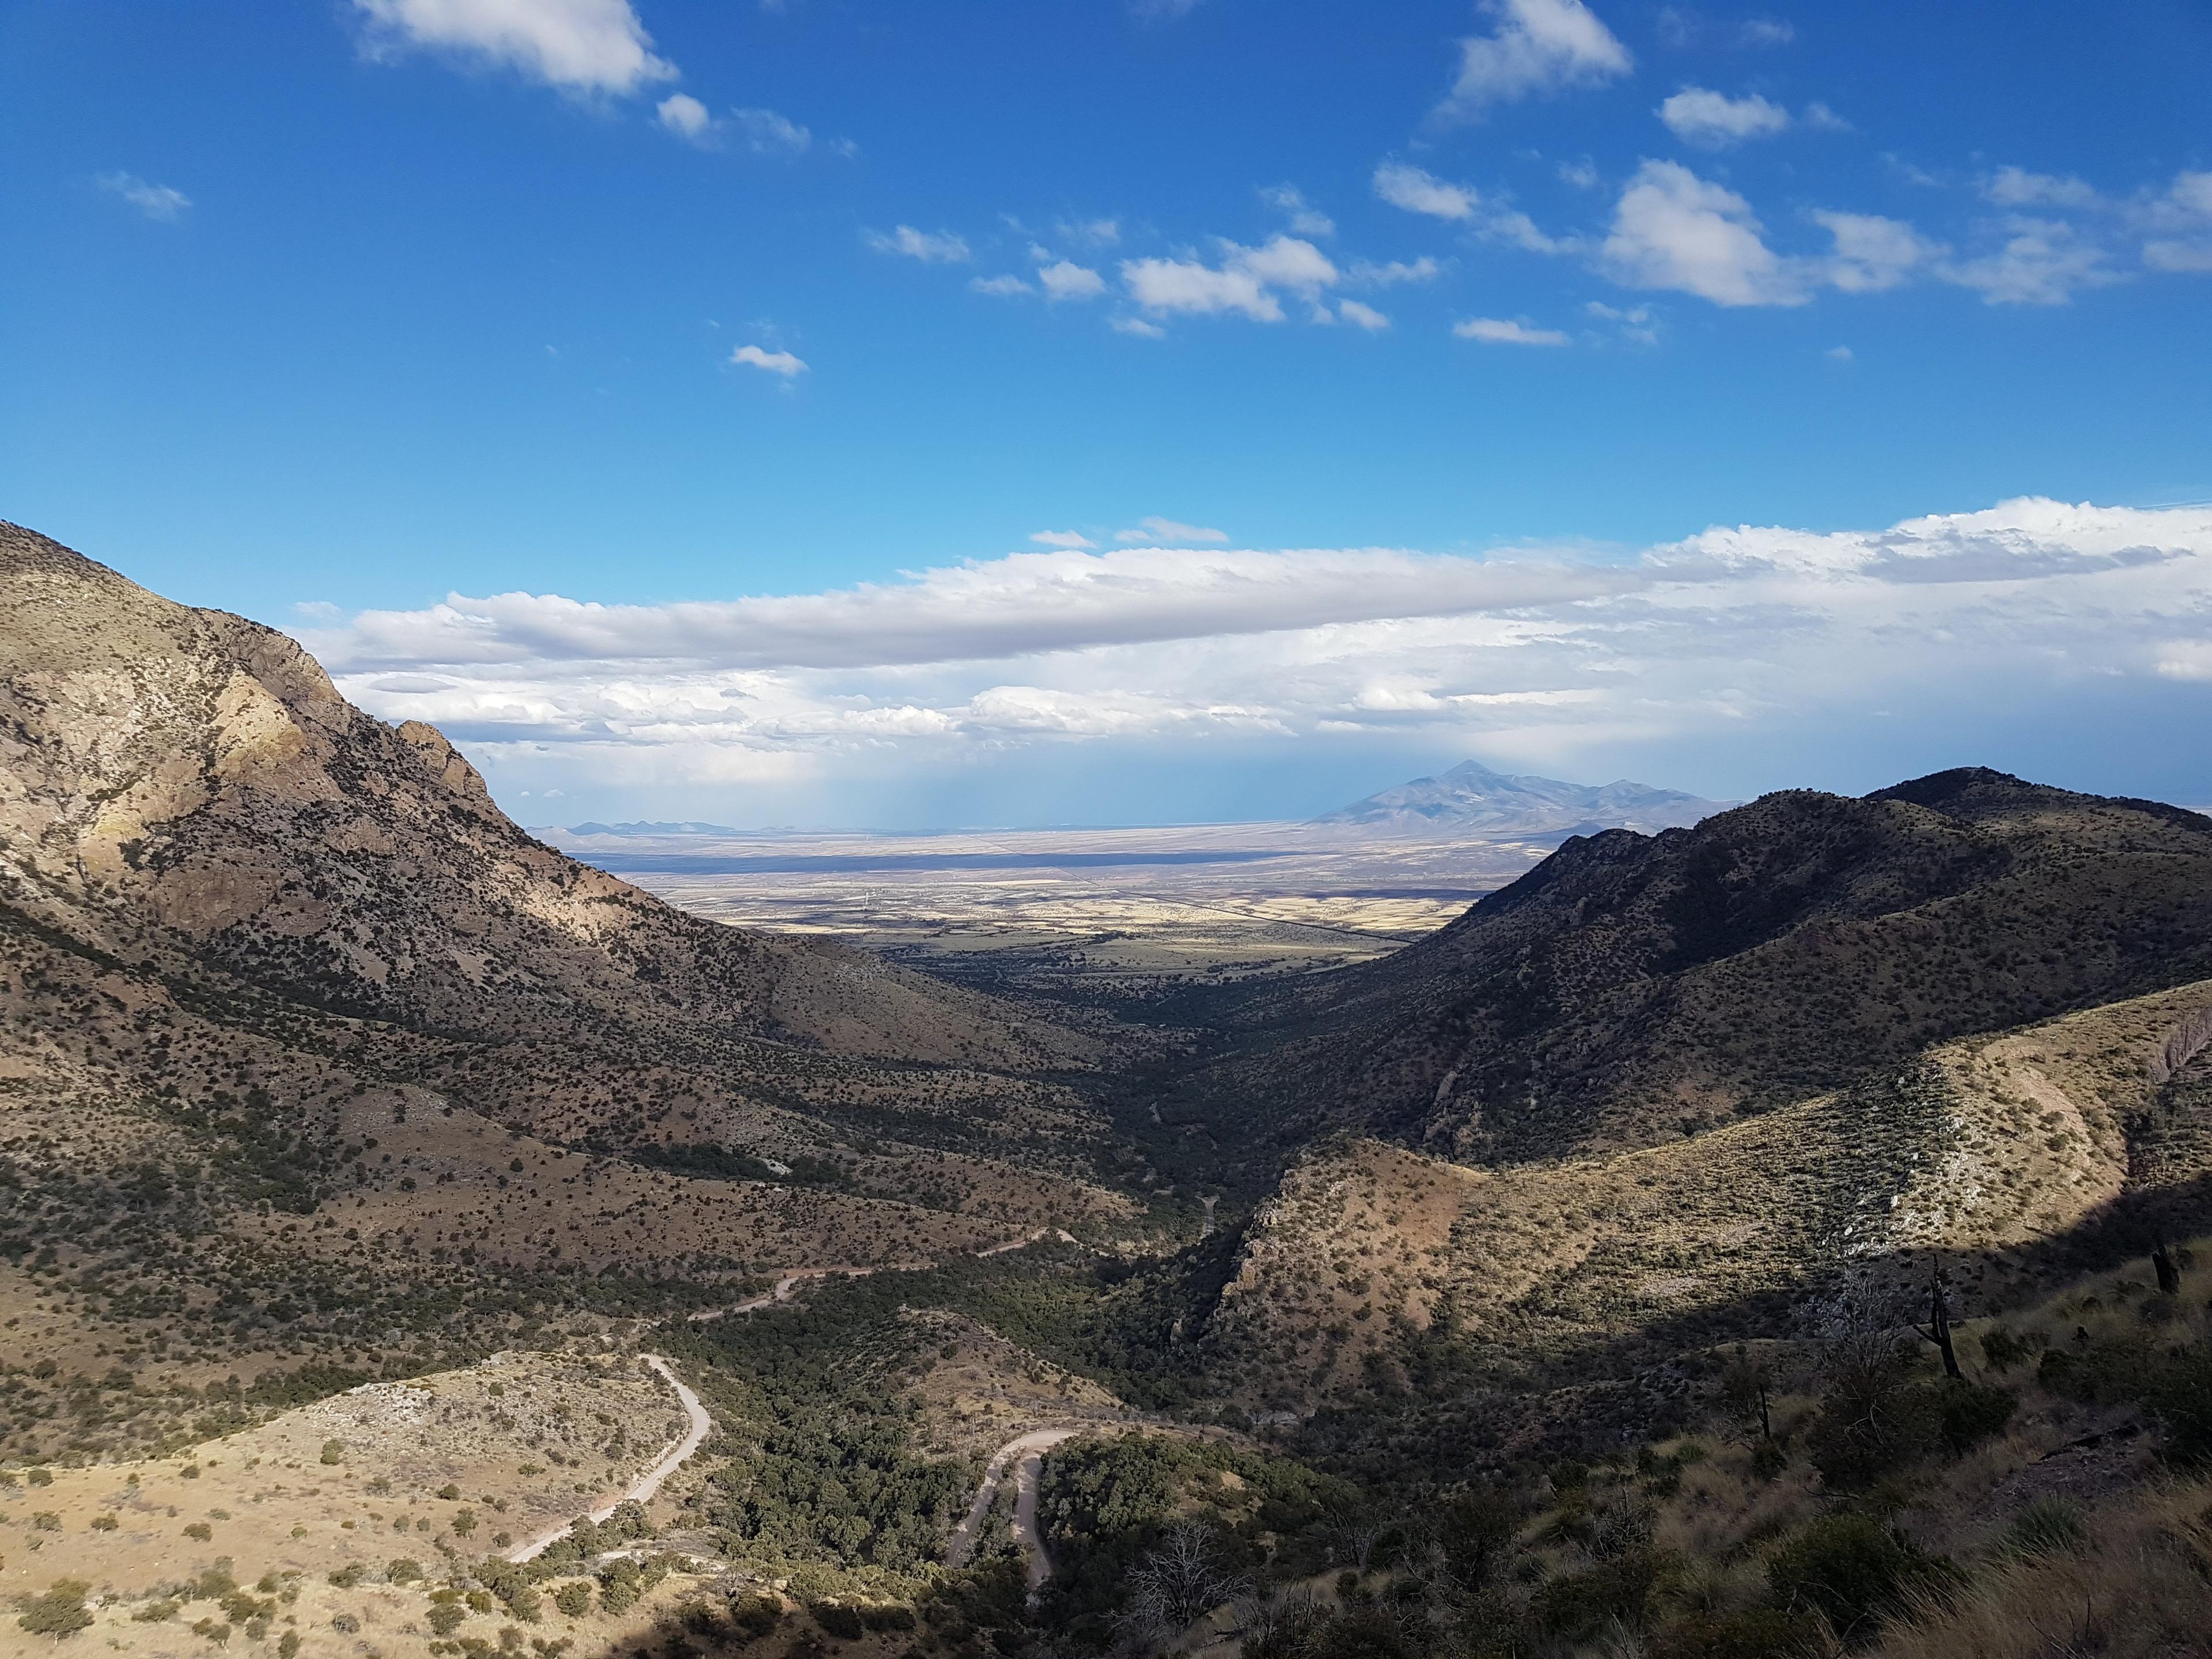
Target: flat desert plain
{"x": 1105, "y": 912}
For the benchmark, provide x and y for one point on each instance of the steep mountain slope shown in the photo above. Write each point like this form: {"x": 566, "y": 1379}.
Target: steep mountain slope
{"x": 304, "y": 1046}
{"x": 1632, "y": 987}
{"x": 187, "y": 780}
{"x": 1471, "y": 799}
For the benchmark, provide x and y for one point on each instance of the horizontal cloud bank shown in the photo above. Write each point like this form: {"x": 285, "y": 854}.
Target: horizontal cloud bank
{"x": 1516, "y": 652}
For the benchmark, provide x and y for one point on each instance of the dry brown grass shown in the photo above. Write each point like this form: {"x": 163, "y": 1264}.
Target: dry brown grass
{"x": 2141, "y": 1588}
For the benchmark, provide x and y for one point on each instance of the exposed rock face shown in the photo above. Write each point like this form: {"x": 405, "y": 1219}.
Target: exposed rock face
{"x": 174, "y": 780}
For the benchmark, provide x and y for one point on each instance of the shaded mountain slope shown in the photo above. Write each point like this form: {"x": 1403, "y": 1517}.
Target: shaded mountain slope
{"x": 1632, "y": 987}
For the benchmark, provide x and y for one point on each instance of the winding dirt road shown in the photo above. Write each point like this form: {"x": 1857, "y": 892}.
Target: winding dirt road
{"x": 1025, "y": 1453}
{"x": 642, "y": 1489}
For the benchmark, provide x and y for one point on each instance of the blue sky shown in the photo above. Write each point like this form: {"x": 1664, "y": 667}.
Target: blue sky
{"x": 326, "y": 313}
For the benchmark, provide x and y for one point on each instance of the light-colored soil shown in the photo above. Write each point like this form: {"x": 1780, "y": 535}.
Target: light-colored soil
{"x": 527, "y": 1440}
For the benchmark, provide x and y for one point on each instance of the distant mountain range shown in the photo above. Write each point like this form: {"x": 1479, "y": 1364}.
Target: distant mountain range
{"x": 1471, "y": 799}
{"x": 641, "y": 828}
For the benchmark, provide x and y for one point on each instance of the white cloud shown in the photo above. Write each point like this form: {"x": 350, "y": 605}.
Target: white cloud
{"x": 1418, "y": 191}
{"x": 1423, "y": 269}
{"x": 1672, "y": 229}
{"x": 1838, "y": 354}
{"x": 1304, "y": 218}
{"x": 1061, "y": 538}
{"x": 1244, "y": 283}
{"x": 2042, "y": 262}
{"x": 932, "y": 248}
{"x": 1163, "y": 532}
{"x": 1767, "y": 32}
{"x": 1002, "y": 286}
{"x": 1064, "y": 279}
{"x": 1732, "y": 630}
{"x": 1872, "y": 252}
{"x": 578, "y": 45}
{"x": 1539, "y": 46}
{"x": 1697, "y": 115}
{"x": 687, "y": 117}
{"x": 775, "y": 362}
{"x": 1138, "y": 327}
{"x": 155, "y": 200}
{"x": 1094, "y": 233}
{"x": 1582, "y": 175}
{"x": 1361, "y": 316}
{"x": 1498, "y": 330}
{"x": 2017, "y": 187}
{"x": 767, "y": 133}
{"x": 2177, "y": 225}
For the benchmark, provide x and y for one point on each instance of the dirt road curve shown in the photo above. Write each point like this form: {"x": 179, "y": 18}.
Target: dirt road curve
{"x": 643, "y": 1488}
{"x": 1025, "y": 1453}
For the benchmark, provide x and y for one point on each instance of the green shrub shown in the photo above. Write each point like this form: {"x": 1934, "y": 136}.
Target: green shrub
{"x": 574, "y": 1599}
{"x": 105, "y": 1523}
{"x": 348, "y": 1576}
{"x": 1745, "y": 1633}
{"x": 287, "y": 1645}
{"x": 403, "y": 1571}
{"x": 893, "y": 1617}
{"x": 201, "y": 1530}
{"x": 756, "y": 1614}
{"x": 333, "y": 1451}
{"x": 2047, "y": 1527}
{"x": 1768, "y": 1460}
{"x": 2181, "y": 1394}
{"x": 446, "y": 1619}
{"x": 839, "y": 1620}
{"x": 1853, "y": 1569}
{"x": 1968, "y": 1413}
{"x": 60, "y": 1611}
{"x": 2002, "y": 1350}
{"x": 155, "y": 1613}
{"x": 1579, "y": 1605}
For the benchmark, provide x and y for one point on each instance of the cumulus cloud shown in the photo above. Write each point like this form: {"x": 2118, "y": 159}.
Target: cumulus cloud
{"x": 1672, "y": 229}
{"x": 932, "y": 248}
{"x": 687, "y": 117}
{"x": 2017, "y": 187}
{"x": 578, "y": 45}
{"x": 1063, "y": 279}
{"x": 158, "y": 201}
{"x": 1061, "y": 538}
{"x": 1004, "y": 286}
{"x": 1872, "y": 253}
{"x": 2177, "y": 225}
{"x": 1418, "y": 191}
{"x": 1697, "y": 115}
{"x": 1361, "y": 316}
{"x": 1244, "y": 283}
{"x": 2041, "y": 262}
{"x": 1730, "y": 630}
{"x": 1499, "y": 330}
{"x": 781, "y": 363}
{"x": 1537, "y": 46}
